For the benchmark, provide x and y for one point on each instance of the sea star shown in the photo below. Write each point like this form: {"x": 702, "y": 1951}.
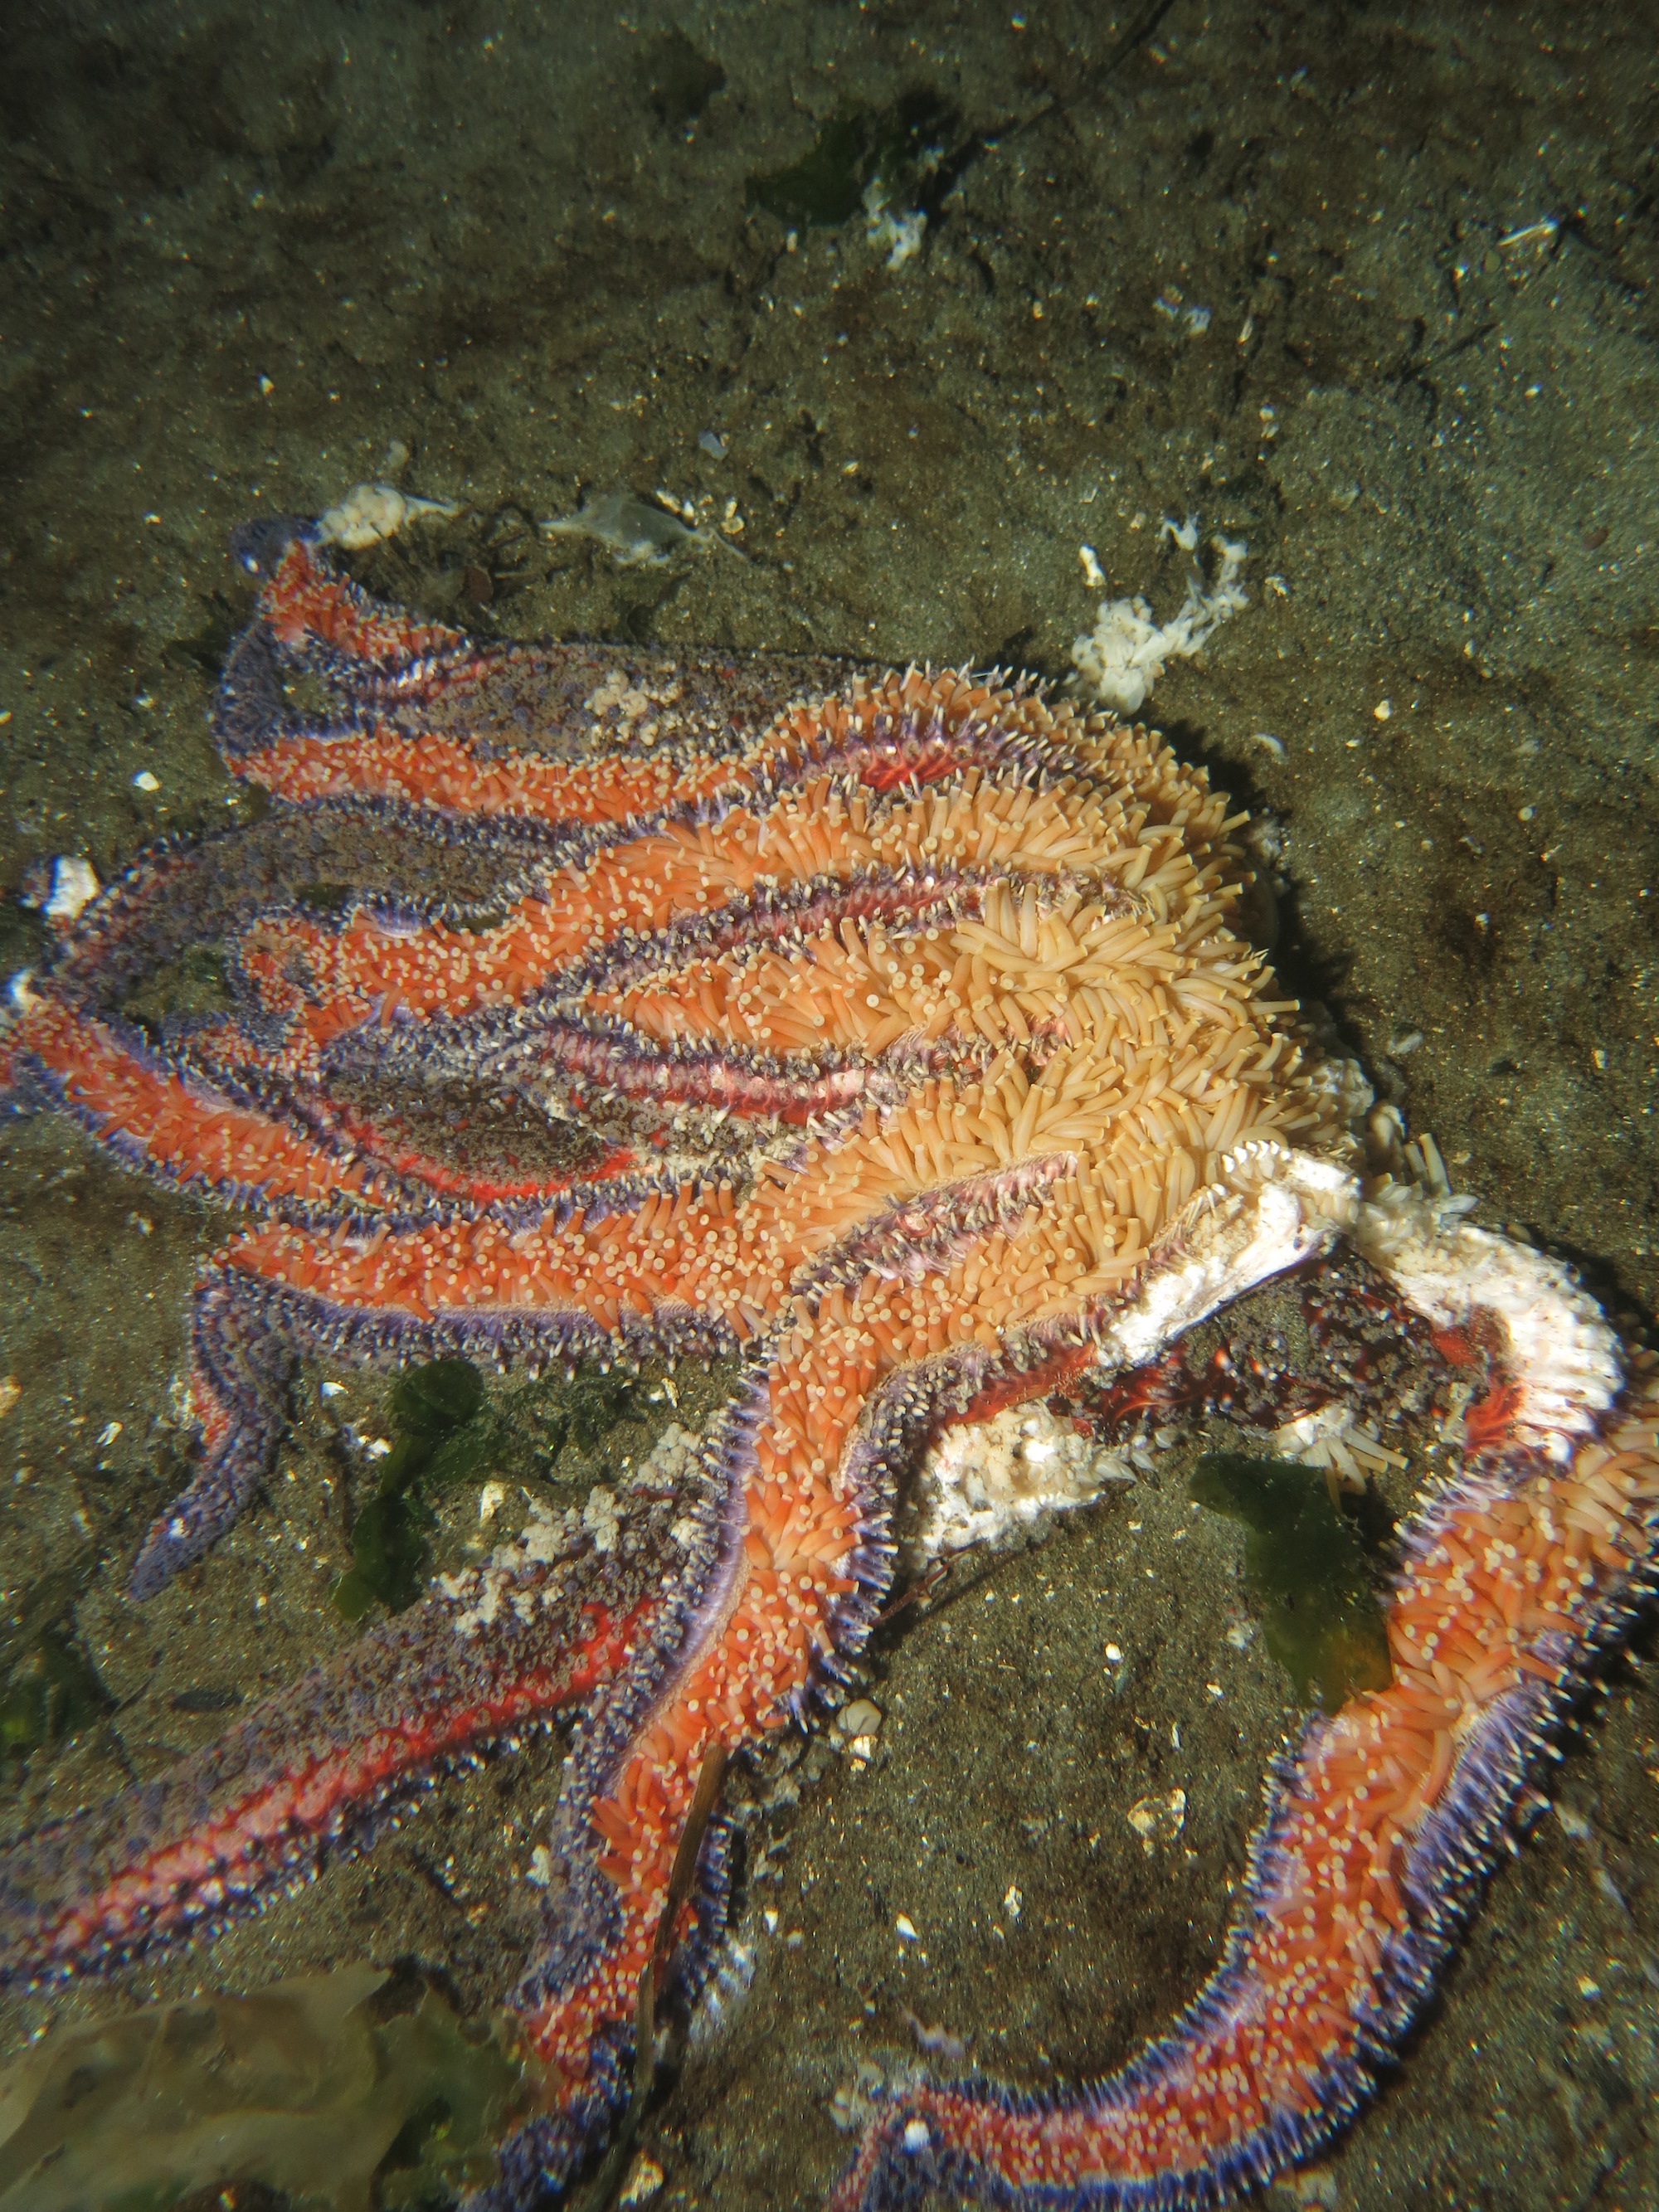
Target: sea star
{"x": 889, "y": 1030}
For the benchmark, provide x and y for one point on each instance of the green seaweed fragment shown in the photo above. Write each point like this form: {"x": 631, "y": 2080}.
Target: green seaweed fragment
{"x": 1307, "y": 1573}
{"x": 51, "y": 1693}
{"x": 441, "y": 1436}
{"x": 341, "y": 2089}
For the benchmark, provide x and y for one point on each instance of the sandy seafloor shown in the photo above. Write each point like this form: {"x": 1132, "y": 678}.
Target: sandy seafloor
{"x": 246, "y": 249}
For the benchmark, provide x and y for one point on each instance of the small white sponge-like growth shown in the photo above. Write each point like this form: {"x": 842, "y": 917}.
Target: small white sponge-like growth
{"x": 1127, "y": 651}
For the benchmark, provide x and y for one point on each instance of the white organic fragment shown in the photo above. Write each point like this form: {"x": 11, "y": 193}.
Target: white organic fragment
{"x": 74, "y": 885}
{"x": 1562, "y": 1356}
{"x": 371, "y": 513}
{"x": 1127, "y": 651}
{"x": 862, "y": 1716}
{"x": 898, "y": 236}
{"x": 665, "y": 1465}
{"x": 981, "y": 1482}
{"x": 1158, "y": 1819}
{"x": 639, "y": 532}
{"x": 543, "y": 1537}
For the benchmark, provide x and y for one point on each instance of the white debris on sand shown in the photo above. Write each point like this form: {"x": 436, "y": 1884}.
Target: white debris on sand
{"x": 898, "y": 236}
{"x": 371, "y": 513}
{"x": 639, "y": 534}
{"x": 72, "y": 885}
{"x": 1127, "y": 651}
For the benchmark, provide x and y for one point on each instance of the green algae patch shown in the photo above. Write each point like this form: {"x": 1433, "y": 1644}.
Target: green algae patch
{"x": 1306, "y": 1571}
{"x": 49, "y": 1692}
{"x": 343, "y": 2089}
{"x": 440, "y": 1435}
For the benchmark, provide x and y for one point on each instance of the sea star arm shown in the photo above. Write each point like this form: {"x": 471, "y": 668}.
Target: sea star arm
{"x": 1380, "y": 1829}
{"x": 665, "y": 738}
{"x": 913, "y": 1320}
{"x": 157, "y": 1113}
{"x": 326, "y": 1765}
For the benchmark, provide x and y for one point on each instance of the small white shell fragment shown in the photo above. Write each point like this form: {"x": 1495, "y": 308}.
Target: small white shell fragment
{"x": 862, "y": 1716}
{"x": 1158, "y": 1819}
{"x": 108, "y": 1433}
{"x": 491, "y": 1498}
{"x": 74, "y": 885}
{"x": 916, "y": 2138}
{"x": 1093, "y": 574}
{"x": 1013, "y": 1900}
{"x": 540, "y": 1869}
{"x": 907, "y": 1928}
{"x": 144, "y": 780}
{"x": 371, "y": 513}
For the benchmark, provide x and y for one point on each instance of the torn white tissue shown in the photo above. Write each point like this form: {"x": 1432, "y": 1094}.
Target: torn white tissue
{"x": 1127, "y": 651}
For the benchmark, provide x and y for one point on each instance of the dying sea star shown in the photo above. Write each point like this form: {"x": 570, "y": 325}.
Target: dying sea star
{"x": 897, "y": 1038}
